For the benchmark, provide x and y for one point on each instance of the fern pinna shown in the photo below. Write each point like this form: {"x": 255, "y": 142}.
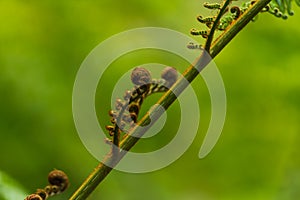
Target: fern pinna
{"x": 278, "y": 8}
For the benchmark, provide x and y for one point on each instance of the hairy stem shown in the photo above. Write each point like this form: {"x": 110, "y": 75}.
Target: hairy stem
{"x": 101, "y": 171}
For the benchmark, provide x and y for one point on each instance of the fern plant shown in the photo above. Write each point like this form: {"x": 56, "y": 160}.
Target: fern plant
{"x": 229, "y": 20}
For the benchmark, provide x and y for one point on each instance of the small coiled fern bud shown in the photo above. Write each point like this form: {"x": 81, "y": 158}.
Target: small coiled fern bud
{"x": 140, "y": 76}
{"x": 58, "y": 182}
{"x": 169, "y": 74}
{"x": 58, "y": 178}
{"x": 33, "y": 197}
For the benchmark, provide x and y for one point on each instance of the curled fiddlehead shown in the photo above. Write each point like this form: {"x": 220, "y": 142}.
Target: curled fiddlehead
{"x": 284, "y": 6}
{"x": 225, "y": 18}
{"x": 276, "y": 10}
{"x": 213, "y": 6}
{"x": 203, "y": 33}
{"x": 127, "y": 110}
{"x": 58, "y": 182}
{"x": 59, "y": 179}
{"x": 236, "y": 11}
{"x": 280, "y": 8}
{"x": 206, "y": 19}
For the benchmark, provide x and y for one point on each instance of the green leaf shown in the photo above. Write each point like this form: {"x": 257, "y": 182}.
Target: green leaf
{"x": 10, "y": 189}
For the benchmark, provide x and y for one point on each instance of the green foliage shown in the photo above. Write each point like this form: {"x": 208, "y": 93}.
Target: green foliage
{"x": 281, "y": 8}
{"x": 42, "y": 46}
{"x": 285, "y": 5}
{"x": 231, "y": 14}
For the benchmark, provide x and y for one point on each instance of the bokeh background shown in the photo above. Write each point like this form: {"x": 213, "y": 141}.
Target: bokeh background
{"x": 43, "y": 43}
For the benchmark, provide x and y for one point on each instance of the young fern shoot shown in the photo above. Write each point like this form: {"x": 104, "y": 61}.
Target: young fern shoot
{"x": 229, "y": 20}
{"x": 227, "y": 15}
{"x": 127, "y": 110}
{"x": 58, "y": 182}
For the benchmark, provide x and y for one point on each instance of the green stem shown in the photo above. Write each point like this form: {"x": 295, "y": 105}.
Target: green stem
{"x": 101, "y": 171}
{"x": 215, "y": 25}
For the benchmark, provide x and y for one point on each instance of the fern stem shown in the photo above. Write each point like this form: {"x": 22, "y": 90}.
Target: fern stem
{"x": 215, "y": 25}
{"x": 101, "y": 171}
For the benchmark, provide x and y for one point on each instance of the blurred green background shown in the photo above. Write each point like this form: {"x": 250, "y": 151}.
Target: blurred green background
{"x": 43, "y": 43}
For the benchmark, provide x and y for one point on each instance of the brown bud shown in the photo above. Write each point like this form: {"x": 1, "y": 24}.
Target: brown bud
{"x": 33, "y": 197}
{"x": 170, "y": 75}
{"x": 112, "y": 113}
{"x": 55, "y": 189}
{"x": 113, "y": 120}
{"x": 58, "y": 178}
{"x": 134, "y": 108}
{"x": 133, "y": 117}
{"x": 119, "y": 104}
{"x": 42, "y": 193}
{"x": 142, "y": 89}
{"x": 110, "y": 129}
{"x": 52, "y": 190}
{"x": 140, "y": 76}
{"x": 127, "y": 95}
